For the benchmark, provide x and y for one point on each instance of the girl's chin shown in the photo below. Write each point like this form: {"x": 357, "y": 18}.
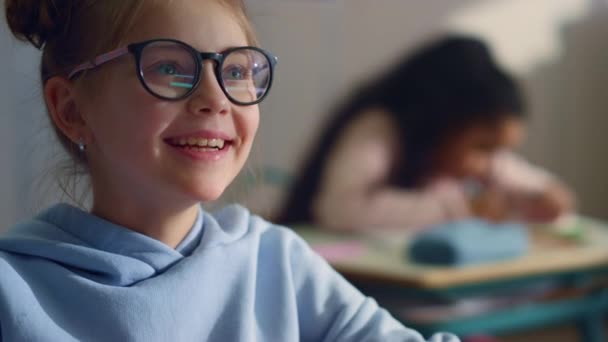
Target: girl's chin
{"x": 202, "y": 188}
{"x": 207, "y": 195}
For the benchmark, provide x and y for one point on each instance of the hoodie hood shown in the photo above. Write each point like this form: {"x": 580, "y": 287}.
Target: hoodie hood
{"x": 108, "y": 253}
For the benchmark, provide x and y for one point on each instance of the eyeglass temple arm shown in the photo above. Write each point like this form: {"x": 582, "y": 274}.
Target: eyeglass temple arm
{"x": 99, "y": 60}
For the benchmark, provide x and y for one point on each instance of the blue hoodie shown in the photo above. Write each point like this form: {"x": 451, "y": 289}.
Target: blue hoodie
{"x": 68, "y": 275}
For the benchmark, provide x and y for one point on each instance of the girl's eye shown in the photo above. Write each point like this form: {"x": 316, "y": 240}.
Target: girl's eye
{"x": 235, "y": 72}
{"x": 166, "y": 69}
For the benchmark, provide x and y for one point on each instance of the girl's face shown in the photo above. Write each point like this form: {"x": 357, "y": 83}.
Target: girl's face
{"x": 469, "y": 153}
{"x": 140, "y": 146}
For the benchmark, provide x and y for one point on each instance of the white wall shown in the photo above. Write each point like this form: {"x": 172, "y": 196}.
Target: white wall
{"x": 570, "y": 104}
{"x": 22, "y": 133}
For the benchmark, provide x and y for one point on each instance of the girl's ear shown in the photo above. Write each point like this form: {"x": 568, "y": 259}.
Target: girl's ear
{"x": 60, "y": 98}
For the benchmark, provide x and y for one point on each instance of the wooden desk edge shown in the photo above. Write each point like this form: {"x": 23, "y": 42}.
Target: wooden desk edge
{"x": 445, "y": 278}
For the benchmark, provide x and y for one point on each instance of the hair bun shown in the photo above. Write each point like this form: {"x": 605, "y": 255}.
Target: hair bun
{"x": 38, "y": 21}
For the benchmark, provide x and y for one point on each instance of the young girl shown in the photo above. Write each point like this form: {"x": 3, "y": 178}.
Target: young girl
{"x": 426, "y": 143}
{"x": 158, "y": 100}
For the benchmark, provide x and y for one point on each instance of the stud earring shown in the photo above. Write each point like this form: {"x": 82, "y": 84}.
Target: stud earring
{"x": 81, "y": 146}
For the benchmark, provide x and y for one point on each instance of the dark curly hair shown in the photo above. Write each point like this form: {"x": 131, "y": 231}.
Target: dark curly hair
{"x": 446, "y": 85}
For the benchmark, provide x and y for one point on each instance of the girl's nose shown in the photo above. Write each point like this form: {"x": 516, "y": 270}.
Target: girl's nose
{"x": 208, "y": 98}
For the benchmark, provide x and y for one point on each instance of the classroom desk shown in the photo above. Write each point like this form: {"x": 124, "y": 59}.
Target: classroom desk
{"x": 572, "y": 273}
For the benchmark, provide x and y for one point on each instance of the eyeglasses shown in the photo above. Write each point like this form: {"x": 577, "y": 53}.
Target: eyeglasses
{"x": 171, "y": 70}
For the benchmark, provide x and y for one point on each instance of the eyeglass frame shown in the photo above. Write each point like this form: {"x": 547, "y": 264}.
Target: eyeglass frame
{"x": 136, "y": 50}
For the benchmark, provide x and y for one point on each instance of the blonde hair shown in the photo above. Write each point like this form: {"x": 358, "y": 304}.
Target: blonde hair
{"x": 70, "y": 32}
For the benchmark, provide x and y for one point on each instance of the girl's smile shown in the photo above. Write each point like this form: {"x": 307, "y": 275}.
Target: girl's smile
{"x": 206, "y": 145}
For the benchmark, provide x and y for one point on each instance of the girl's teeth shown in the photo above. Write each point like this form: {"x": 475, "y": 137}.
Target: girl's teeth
{"x": 200, "y": 142}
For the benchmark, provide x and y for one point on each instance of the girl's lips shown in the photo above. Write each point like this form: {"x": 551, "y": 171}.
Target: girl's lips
{"x": 205, "y": 145}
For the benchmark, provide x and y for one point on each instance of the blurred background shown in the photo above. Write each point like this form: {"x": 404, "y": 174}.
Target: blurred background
{"x": 557, "y": 48}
